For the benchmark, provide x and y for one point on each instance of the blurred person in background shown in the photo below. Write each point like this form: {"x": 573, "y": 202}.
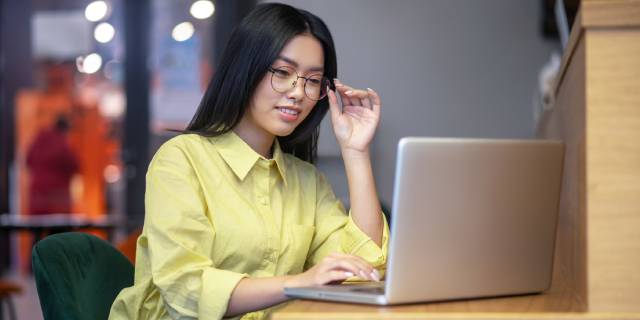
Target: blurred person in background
{"x": 52, "y": 164}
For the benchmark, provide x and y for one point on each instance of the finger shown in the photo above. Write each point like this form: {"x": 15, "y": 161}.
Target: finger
{"x": 362, "y": 264}
{"x": 334, "y": 107}
{"x": 341, "y": 88}
{"x": 336, "y": 276}
{"x": 366, "y": 101}
{"x": 375, "y": 101}
{"x": 356, "y": 96}
{"x": 359, "y": 97}
{"x": 350, "y": 265}
{"x": 357, "y": 265}
{"x": 354, "y": 93}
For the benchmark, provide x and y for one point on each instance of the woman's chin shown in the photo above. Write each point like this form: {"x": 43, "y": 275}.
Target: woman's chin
{"x": 283, "y": 134}
{"x": 283, "y": 131}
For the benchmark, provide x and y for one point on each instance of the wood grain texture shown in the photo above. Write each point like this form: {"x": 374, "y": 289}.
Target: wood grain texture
{"x": 595, "y": 14}
{"x": 610, "y": 13}
{"x": 567, "y": 123}
{"x": 613, "y": 169}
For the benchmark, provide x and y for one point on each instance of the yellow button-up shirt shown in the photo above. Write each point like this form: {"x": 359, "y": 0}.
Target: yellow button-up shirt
{"x": 217, "y": 211}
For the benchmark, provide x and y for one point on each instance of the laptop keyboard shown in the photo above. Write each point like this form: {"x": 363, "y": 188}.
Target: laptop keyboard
{"x": 374, "y": 290}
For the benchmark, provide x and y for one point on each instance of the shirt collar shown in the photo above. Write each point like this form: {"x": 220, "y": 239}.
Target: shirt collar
{"x": 240, "y": 157}
{"x": 278, "y": 156}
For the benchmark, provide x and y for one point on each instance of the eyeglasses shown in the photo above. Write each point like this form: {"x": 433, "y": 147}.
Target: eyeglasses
{"x": 284, "y": 78}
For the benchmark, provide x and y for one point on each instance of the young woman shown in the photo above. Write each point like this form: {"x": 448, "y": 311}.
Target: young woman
{"x": 235, "y": 210}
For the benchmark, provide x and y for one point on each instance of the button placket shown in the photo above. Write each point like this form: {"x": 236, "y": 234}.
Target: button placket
{"x": 270, "y": 254}
{"x": 273, "y": 176}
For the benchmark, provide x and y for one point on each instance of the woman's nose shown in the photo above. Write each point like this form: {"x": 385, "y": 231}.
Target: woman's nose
{"x": 297, "y": 90}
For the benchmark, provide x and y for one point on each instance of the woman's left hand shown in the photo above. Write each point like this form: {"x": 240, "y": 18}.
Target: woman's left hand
{"x": 354, "y": 125}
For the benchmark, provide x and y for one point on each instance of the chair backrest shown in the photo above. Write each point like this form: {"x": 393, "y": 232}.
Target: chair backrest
{"x": 78, "y": 276}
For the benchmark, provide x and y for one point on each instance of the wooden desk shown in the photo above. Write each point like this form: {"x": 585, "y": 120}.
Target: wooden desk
{"x": 558, "y": 303}
{"x": 596, "y": 112}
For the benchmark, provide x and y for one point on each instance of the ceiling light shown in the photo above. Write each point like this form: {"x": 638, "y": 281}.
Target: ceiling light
{"x": 202, "y": 9}
{"x": 182, "y": 32}
{"x": 104, "y": 32}
{"x": 96, "y": 11}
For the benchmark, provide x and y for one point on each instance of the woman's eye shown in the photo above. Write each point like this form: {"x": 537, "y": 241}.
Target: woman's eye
{"x": 282, "y": 73}
{"x": 314, "y": 82}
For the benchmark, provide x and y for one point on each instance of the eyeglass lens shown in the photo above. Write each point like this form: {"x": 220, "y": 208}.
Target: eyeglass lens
{"x": 284, "y": 78}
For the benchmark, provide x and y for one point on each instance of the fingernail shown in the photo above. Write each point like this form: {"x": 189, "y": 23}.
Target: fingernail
{"x": 375, "y": 275}
{"x": 363, "y": 275}
{"x": 348, "y": 92}
{"x": 349, "y": 274}
{"x": 369, "y": 89}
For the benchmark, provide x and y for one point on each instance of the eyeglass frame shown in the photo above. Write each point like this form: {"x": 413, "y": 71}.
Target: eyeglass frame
{"x": 295, "y": 82}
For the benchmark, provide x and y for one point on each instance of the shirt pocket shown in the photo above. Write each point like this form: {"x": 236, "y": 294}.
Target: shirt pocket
{"x": 300, "y": 242}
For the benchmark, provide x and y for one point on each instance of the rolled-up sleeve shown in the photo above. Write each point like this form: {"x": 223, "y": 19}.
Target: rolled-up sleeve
{"x": 337, "y": 232}
{"x": 180, "y": 240}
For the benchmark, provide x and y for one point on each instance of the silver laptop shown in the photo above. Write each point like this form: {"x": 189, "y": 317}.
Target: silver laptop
{"x": 471, "y": 218}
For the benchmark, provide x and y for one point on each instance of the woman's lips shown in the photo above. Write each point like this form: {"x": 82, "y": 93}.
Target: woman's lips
{"x": 288, "y": 114}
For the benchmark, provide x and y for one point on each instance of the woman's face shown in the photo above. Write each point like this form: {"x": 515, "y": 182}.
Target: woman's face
{"x": 277, "y": 114}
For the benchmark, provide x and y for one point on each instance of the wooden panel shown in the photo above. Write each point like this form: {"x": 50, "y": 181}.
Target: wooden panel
{"x": 608, "y": 13}
{"x": 574, "y": 38}
{"x": 613, "y": 169}
{"x": 567, "y": 123}
{"x": 598, "y": 14}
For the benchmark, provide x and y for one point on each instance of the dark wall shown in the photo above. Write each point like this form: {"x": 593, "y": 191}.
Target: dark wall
{"x": 15, "y": 72}
{"x": 136, "y": 124}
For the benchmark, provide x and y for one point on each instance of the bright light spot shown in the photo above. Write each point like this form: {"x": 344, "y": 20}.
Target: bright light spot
{"x": 112, "y": 173}
{"x": 182, "y": 32}
{"x": 104, "y": 32}
{"x": 96, "y": 10}
{"x": 89, "y": 64}
{"x": 112, "y": 104}
{"x": 202, "y": 9}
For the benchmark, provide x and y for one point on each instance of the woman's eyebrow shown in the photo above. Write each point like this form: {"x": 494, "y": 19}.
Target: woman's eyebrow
{"x": 295, "y": 64}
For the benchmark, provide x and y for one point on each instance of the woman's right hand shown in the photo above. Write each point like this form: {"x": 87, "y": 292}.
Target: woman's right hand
{"x": 336, "y": 267}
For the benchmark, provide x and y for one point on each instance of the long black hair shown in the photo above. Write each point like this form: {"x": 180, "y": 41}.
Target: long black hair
{"x": 254, "y": 45}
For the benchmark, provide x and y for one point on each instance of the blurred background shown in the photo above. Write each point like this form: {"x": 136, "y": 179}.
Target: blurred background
{"x": 90, "y": 89}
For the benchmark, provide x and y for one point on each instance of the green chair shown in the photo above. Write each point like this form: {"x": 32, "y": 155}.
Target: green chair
{"x": 78, "y": 276}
